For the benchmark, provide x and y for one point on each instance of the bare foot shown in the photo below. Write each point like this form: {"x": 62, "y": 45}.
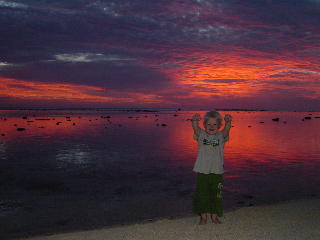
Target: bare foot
{"x": 215, "y": 219}
{"x": 203, "y": 220}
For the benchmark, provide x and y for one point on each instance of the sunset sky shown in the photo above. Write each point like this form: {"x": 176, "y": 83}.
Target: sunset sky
{"x": 165, "y": 53}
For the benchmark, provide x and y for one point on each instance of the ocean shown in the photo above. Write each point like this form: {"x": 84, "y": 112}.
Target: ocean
{"x": 69, "y": 170}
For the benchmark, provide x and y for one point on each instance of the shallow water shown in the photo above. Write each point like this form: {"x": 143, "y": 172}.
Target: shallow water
{"x": 99, "y": 168}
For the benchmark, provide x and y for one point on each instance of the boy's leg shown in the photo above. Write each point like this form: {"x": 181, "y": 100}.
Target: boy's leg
{"x": 216, "y": 190}
{"x": 201, "y": 198}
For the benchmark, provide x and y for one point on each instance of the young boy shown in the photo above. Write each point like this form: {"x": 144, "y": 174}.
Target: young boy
{"x": 209, "y": 164}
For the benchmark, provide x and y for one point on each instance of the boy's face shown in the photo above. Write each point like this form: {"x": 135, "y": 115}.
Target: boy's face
{"x": 212, "y": 125}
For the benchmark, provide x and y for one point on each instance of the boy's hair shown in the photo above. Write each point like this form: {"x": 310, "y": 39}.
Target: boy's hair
{"x": 212, "y": 114}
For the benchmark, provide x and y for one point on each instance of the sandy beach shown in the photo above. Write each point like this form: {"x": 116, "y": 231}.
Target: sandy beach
{"x": 298, "y": 219}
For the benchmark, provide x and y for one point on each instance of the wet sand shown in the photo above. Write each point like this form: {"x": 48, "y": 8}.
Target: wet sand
{"x": 298, "y": 219}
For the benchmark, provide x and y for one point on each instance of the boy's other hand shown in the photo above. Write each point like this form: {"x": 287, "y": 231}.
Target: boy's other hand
{"x": 228, "y": 118}
{"x": 196, "y": 117}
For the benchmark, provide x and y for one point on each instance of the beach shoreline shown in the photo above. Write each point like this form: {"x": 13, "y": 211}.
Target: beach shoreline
{"x": 292, "y": 219}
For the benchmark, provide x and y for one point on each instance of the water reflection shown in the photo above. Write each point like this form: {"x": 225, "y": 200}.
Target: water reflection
{"x": 74, "y": 156}
{"x": 114, "y": 161}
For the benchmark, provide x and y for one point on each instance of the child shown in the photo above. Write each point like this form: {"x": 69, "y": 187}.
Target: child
{"x": 209, "y": 164}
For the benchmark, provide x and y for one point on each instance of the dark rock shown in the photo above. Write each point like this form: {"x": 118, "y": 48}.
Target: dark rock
{"x": 275, "y": 119}
{"x": 24, "y": 117}
{"x": 21, "y": 129}
{"x": 307, "y": 117}
{"x": 2, "y": 134}
{"x": 261, "y": 122}
{"x": 73, "y": 124}
{"x": 248, "y": 196}
{"x": 42, "y": 118}
{"x": 149, "y": 111}
{"x": 175, "y": 115}
{"x": 249, "y": 126}
{"x": 163, "y": 124}
{"x": 58, "y": 123}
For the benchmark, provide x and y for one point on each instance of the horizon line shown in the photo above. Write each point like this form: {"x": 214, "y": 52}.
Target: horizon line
{"x": 148, "y": 109}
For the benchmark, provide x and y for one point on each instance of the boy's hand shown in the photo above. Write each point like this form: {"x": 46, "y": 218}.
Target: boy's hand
{"x": 228, "y": 118}
{"x": 196, "y": 117}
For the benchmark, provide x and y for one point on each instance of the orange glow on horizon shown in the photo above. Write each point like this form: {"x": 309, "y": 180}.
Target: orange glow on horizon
{"x": 242, "y": 75}
{"x": 70, "y": 92}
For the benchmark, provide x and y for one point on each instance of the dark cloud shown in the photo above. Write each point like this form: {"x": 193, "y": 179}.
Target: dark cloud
{"x": 21, "y": 86}
{"x": 45, "y": 28}
{"x": 292, "y": 82}
{"x": 102, "y": 74}
{"x": 293, "y": 74}
{"x": 272, "y": 99}
{"x": 225, "y": 80}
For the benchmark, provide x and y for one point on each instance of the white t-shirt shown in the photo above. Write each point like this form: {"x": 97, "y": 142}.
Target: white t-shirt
{"x": 210, "y": 157}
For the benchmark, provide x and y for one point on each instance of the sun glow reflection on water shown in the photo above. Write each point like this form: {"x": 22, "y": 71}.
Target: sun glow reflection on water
{"x": 113, "y": 159}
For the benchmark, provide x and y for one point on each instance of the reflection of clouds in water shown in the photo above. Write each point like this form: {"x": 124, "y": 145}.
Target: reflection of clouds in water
{"x": 3, "y": 147}
{"x": 74, "y": 156}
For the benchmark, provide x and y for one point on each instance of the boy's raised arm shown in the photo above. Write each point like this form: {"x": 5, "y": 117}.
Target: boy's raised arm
{"x": 195, "y": 124}
{"x": 227, "y": 126}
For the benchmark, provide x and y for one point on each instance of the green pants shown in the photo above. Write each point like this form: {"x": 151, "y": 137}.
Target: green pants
{"x": 208, "y": 195}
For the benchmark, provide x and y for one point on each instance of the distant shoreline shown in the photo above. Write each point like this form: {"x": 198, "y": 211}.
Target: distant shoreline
{"x": 147, "y": 109}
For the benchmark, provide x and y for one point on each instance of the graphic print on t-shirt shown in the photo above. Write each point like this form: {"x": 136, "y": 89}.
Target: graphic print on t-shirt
{"x": 213, "y": 142}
